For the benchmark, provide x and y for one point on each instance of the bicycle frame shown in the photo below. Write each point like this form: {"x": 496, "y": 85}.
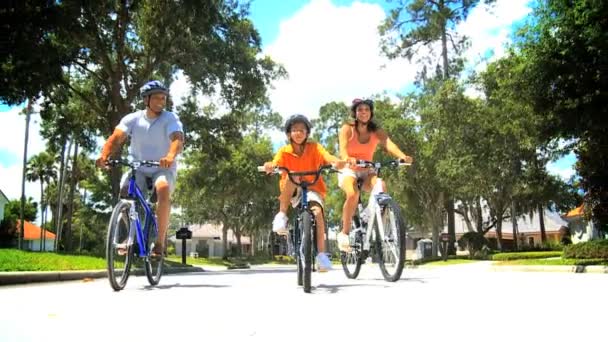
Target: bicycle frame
{"x": 373, "y": 209}
{"x": 135, "y": 194}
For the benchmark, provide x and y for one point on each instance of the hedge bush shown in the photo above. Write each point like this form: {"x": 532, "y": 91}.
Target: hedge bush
{"x": 594, "y": 249}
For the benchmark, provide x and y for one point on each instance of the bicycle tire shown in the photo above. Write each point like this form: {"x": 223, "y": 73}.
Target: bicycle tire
{"x": 118, "y": 231}
{"x": 153, "y": 266}
{"x": 351, "y": 261}
{"x": 306, "y": 220}
{"x": 392, "y": 246}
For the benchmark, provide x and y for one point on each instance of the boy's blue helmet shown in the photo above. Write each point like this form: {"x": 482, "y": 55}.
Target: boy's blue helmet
{"x": 153, "y": 87}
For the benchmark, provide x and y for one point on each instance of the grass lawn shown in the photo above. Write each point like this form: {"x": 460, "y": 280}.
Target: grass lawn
{"x": 553, "y": 261}
{"x": 16, "y": 260}
{"x": 449, "y": 262}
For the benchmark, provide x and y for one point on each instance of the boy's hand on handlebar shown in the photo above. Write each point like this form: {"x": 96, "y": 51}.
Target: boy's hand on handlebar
{"x": 351, "y": 161}
{"x": 339, "y": 164}
{"x": 406, "y": 160}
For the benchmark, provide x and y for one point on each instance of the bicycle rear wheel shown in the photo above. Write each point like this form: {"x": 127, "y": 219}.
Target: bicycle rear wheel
{"x": 119, "y": 246}
{"x": 351, "y": 261}
{"x": 306, "y": 253}
{"x": 153, "y": 265}
{"x": 391, "y": 240}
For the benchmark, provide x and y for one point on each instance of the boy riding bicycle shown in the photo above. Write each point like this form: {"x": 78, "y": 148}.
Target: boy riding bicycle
{"x": 302, "y": 155}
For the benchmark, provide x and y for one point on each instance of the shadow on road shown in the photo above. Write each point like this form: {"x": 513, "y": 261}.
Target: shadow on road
{"x": 334, "y": 288}
{"x": 170, "y": 286}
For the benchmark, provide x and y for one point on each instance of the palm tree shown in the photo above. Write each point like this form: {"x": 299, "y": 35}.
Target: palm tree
{"x": 41, "y": 167}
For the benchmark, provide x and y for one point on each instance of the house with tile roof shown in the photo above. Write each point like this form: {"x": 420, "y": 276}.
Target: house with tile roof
{"x": 31, "y": 237}
{"x": 580, "y": 229}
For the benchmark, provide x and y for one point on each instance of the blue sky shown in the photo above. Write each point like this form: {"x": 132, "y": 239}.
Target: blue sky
{"x": 330, "y": 49}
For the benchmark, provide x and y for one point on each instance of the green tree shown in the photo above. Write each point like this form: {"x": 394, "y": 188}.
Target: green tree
{"x": 564, "y": 51}
{"x": 121, "y": 45}
{"x": 417, "y": 24}
{"x": 41, "y": 168}
{"x": 30, "y": 60}
{"x": 8, "y": 225}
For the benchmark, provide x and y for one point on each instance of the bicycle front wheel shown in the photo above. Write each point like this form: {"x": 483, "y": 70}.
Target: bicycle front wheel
{"x": 391, "y": 242}
{"x": 352, "y": 260}
{"x": 153, "y": 265}
{"x": 306, "y": 253}
{"x": 119, "y": 246}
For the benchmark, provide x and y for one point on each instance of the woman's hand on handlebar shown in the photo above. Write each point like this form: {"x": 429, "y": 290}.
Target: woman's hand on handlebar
{"x": 268, "y": 167}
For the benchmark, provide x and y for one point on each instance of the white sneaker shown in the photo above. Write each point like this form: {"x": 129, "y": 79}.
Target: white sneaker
{"x": 279, "y": 224}
{"x": 323, "y": 262}
{"x": 343, "y": 242}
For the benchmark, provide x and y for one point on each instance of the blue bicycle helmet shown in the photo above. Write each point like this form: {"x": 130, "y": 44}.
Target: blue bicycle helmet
{"x": 153, "y": 87}
{"x": 297, "y": 118}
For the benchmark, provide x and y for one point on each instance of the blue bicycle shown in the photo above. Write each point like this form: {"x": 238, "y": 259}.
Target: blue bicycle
{"x": 127, "y": 238}
{"x": 303, "y": 233}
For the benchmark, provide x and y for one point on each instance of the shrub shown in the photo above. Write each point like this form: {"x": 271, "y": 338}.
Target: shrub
{"x": 594, "y": 249}
{"x": 474, "y": 242}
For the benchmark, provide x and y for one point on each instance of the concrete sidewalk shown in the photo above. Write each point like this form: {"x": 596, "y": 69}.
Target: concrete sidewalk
{"x": 489, "y": 266}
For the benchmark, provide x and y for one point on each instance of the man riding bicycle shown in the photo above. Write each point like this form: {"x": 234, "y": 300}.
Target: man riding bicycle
{"x": 155, "y": 134}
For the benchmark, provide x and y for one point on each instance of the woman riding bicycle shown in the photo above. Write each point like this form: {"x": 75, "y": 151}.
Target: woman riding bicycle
{"x": 358, "y": 140}
{"x": 302, "y": 155}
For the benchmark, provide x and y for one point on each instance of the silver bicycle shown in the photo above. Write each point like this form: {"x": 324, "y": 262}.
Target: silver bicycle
{"x": 377, "y": 230}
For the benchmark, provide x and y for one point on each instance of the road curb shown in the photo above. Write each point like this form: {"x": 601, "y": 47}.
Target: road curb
{"x": 10, "y": 278}
{"x": 556, "y": 268}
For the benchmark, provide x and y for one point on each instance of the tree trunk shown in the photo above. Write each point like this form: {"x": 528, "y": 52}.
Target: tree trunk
{"x": 514, "y": 221}
{"x": 479, "y": 218}
{"x": 41, "y": 211}
{"x": 57, "y": 217}
{"x": 541, "y": 221}
{"x": 499, "y": 233}
{"x": 239, "y": 247}
{"x": 68, "y": 228}
{"x": 449, "y": 206}
{"x": 225, "y": 242}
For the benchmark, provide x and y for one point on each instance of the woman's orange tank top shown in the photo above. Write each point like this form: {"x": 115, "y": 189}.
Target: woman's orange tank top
{"x": 361, "y": 151}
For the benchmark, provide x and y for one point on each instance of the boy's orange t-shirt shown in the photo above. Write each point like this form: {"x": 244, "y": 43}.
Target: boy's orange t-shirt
{"x": 313, "y": 157}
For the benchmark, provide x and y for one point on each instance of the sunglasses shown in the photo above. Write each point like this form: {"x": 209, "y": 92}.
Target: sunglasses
{"x": 364, "y": 101}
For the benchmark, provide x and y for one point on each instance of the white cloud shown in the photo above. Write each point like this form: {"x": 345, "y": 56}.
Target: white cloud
{"x": 489, "y": 29}
{"x": 332, "y": 54}
{"x": 564, "y": 171}
{"x": 13, "y": 132}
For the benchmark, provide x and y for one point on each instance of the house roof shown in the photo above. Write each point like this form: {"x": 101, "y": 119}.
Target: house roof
{"x": 525, "y": 223}
{"x": 2, "y": 195}
{"x": 214, "y": 231}
{"x": 575, "y": 212}
{"x": 32, "y": 231}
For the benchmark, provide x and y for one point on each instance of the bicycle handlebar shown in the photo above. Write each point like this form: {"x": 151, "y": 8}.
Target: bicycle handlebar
{"x": 378, "y": 165}
{"x": 292, "y": 174}
{"x": 132, "y": 163}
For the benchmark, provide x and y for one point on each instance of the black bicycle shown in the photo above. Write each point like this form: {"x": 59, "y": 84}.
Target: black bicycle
{"x": 303, "y": 234}
{"x": 127, "y": 238}
{"x": 378, "y": 230}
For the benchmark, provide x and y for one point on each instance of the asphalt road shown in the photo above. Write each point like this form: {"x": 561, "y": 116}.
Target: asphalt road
{"x": 453, "y": 303}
